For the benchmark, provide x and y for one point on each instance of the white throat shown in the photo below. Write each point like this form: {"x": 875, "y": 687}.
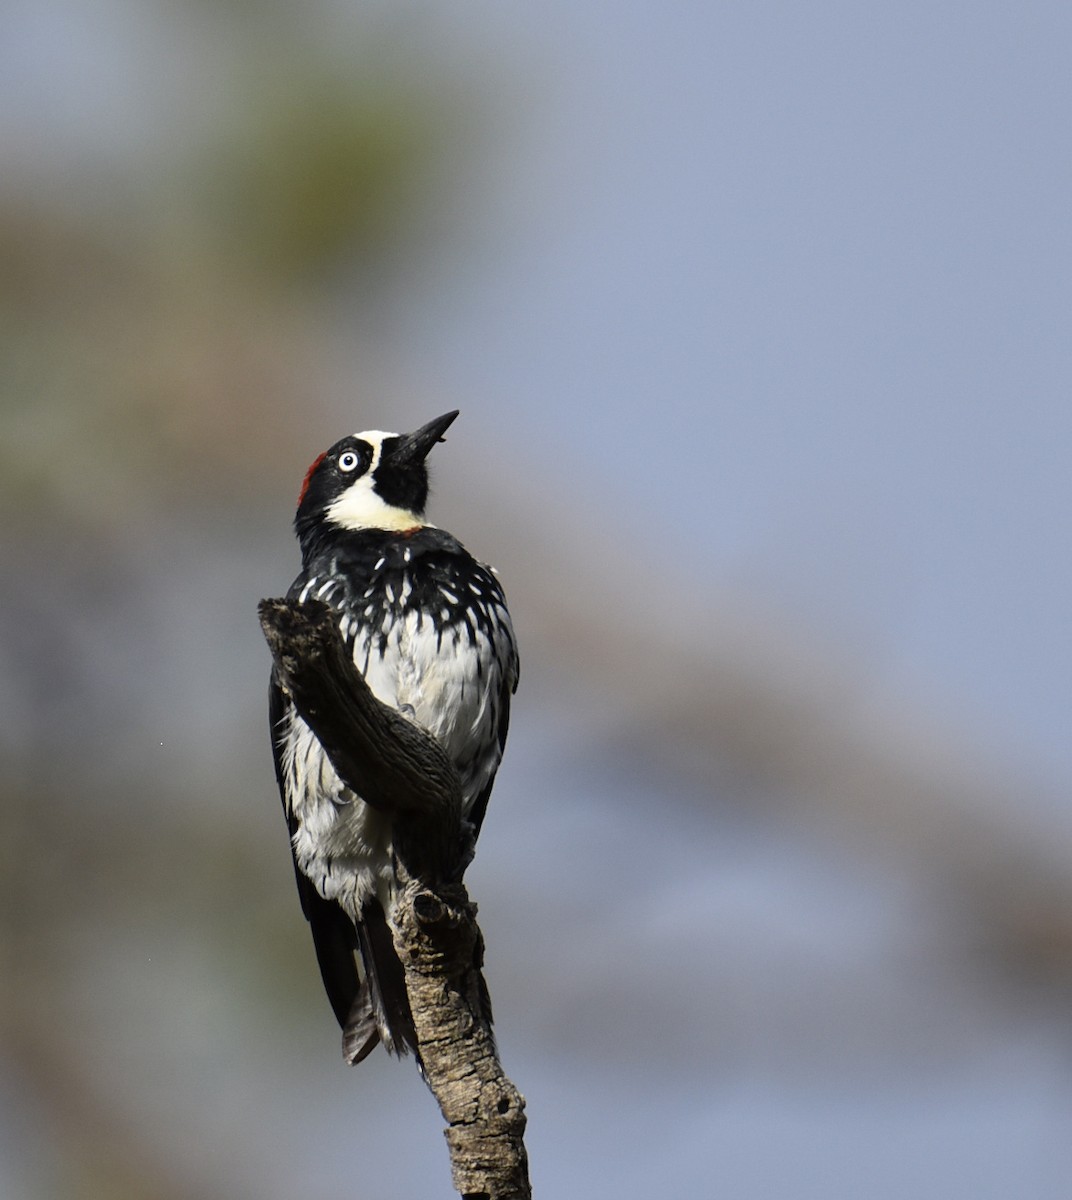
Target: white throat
{"x": 359, "y": 507}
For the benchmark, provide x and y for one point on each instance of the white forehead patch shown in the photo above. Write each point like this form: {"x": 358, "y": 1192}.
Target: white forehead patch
{"x": 360, "y": 506}
{"x": 375, "y": 438}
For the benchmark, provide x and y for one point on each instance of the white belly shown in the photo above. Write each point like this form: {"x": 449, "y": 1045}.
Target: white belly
{"x": 448, "y": 687}
{"x": 341, "y": 844}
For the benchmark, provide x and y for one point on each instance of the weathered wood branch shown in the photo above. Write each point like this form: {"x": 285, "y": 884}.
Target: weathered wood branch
{"x": 397, "y": 767}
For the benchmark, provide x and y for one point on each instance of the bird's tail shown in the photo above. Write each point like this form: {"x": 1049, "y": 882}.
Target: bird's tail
{"x": 380, "y": 1010}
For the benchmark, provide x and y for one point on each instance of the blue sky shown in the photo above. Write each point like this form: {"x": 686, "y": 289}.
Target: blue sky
{"x": 789, "y": 288}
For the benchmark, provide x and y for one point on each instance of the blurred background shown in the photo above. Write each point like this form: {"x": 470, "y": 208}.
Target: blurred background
{"x": 758, "y": 319}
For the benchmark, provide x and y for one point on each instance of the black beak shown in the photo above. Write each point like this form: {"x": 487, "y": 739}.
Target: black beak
{"x": 414, "y": 447}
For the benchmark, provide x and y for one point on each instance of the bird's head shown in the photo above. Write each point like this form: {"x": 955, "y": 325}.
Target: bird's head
{"x": 370, "y": 480}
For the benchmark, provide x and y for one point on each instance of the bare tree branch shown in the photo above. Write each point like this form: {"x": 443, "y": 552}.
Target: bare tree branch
{"x": 397, "y": 767}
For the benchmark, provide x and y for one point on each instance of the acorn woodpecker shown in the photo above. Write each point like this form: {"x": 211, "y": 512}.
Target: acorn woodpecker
{"x": 428, "y": 628}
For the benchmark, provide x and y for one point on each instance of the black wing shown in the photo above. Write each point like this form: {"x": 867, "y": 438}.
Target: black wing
{"x": 369, "y": 1010}
{"x": 509, "y": 687}
{"x": 334, "y": 935}
{"x": 480, "y": 805}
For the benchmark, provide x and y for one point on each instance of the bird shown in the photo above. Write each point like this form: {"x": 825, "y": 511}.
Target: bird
{"x": 428, "y": 628}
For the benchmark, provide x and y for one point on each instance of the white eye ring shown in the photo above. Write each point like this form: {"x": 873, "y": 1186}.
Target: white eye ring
{"x": 348, "y": 461}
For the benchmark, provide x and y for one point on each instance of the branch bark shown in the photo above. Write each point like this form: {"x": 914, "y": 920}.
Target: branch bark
{"x": 396, "y": 767}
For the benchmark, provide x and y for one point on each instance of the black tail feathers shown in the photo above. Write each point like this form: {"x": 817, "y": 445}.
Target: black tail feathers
{"x": 380, "y": 1011}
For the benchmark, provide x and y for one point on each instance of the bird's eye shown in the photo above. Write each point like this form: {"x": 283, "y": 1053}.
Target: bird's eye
{"x": 348, "y": 461}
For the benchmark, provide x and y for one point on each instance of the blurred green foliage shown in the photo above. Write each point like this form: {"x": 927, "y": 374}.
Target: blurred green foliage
{"x": 168, "y": 315}
{"x": 149, "y": 323}
{"x": 325, "y": 167}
